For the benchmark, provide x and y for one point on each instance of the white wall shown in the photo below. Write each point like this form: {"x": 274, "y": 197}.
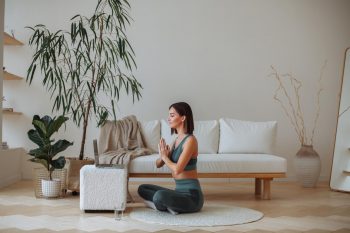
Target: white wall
{"x": 216, "y": 55}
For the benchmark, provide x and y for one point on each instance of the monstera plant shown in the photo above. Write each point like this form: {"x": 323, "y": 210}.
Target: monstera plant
{"x": 47, "y": 150}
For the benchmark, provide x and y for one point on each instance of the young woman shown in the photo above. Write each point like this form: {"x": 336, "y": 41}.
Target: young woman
{"x": 181, "y": 159}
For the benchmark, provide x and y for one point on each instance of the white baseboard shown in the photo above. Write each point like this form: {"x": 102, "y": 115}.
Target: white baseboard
{"x": 9, "y": 180}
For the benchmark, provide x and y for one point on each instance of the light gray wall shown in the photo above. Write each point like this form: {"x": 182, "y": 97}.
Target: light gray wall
{"x": 216, "y": 55}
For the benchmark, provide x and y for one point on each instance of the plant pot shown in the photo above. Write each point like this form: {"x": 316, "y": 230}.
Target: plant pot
{"x": 51, "y": 188}
{"x": 307, "y": 164}
{"x": 40, "y": 174}
{"x": 74, "y": 165}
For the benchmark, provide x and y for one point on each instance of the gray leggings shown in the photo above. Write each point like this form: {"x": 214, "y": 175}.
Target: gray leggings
{"x": 186, "y": 198}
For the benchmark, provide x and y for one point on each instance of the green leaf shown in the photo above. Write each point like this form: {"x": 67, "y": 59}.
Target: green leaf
{"x": 35, "y": 137}
{"x": 55, "y": 125}
{"x": 58, "y": 163}
{"x": 60, "y": 146}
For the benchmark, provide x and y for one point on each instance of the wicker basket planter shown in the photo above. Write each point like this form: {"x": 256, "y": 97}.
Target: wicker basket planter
{"x": 74, "y": 165}
{"x": 41, "y": 173}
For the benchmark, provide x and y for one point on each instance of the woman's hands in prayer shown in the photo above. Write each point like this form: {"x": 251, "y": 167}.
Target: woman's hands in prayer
{"x": 164, "y": 149}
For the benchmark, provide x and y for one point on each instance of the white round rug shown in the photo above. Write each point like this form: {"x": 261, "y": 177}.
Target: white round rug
{"x": 210, "y": 215}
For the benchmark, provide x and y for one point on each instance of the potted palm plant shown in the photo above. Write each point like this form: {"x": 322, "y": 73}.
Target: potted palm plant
{"x": 92, "y": 59}
{"x": 41, "y": 135}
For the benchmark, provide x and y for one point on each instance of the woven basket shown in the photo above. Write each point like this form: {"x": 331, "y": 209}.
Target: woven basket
{"x": 42, "y": 173}
{"x": 74, "y": 166}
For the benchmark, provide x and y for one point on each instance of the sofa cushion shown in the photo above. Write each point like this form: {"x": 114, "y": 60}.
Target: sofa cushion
{"x": 238, "y": 136}
{"x": 222, "y": 163}
{"x": 207, "y": 134}
{"x": 150, "y": 131}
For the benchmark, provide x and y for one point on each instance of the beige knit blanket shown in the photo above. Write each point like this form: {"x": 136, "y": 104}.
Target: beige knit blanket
{"x": 120, "y": 142}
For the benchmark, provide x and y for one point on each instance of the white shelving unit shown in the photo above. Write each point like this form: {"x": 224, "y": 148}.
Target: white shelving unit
{"x": 11, "y": 41}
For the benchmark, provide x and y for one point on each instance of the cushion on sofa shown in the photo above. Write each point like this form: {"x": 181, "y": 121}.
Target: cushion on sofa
{"x": 207, "y": 134}
{"x": 150, "y": 131}
{"x": 238, "y": 136}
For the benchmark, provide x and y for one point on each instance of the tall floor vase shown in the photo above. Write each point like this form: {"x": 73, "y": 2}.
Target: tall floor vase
{"x": 307, "y": 164}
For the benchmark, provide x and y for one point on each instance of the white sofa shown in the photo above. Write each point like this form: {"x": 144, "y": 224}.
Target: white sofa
{"x": 228, "y": 148}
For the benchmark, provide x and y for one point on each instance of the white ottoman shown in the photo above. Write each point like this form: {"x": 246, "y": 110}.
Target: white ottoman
{"x": 102, "y": 188}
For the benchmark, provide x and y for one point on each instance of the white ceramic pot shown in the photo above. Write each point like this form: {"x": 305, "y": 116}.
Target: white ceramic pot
{"x": 307, "y": 164}
{"x": 51, "y": 188}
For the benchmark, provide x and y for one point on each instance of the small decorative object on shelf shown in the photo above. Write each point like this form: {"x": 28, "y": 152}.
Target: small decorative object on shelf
{"x": 5, "y": 146}
{"x": 7, "y": 109}
{"x": 10, "y": 111}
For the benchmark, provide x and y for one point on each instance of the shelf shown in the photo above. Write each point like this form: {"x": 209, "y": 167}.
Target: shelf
{"x": 9, "y": 76}
{"x": 346, "y": 172}
{"x": 9, "y": 112}
{"x": 10, "y": 40}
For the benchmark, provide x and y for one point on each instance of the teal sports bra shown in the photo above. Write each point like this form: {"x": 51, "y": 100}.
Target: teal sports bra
{"x": 175, "y": 155}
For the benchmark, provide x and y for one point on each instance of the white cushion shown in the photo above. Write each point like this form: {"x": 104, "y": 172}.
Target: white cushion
{"x": 238, "y": 136}
{"x": 166, "y": 132}
{"x": 207, "y": 134}
{"x": 222, "y": 163}
{"x": 150, "y": 131}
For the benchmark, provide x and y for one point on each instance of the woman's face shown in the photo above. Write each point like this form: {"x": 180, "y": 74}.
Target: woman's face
{"x": 174, "y": 119}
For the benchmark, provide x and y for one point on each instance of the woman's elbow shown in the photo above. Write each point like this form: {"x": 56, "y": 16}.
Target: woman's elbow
{"x": 178, "y": 171}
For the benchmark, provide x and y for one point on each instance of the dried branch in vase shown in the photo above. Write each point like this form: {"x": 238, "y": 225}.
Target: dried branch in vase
{"x": 290, "y": 101}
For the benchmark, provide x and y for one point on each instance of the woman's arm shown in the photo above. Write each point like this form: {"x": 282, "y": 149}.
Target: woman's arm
{"x": 188, "y": 149}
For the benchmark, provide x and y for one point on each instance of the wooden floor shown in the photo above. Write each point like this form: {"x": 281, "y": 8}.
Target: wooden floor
{"x": 292, "y": 209}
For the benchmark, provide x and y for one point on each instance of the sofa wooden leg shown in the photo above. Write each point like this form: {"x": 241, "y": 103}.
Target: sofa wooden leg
{"x": 257, "y": 186}
{"x": 267, "y": 189}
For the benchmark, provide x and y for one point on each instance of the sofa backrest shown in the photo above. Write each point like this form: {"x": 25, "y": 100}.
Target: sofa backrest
{"x": 150, "y": 131}
{"x": 238, "y": 136}
{"x": 226, "y": 136}
{"x": 206, "y": 132}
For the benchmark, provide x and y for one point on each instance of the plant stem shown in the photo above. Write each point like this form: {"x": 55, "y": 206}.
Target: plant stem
{"x": 82, "y": 146}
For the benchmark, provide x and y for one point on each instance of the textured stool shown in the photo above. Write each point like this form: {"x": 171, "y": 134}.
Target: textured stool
{"x": 102, "y": 188}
